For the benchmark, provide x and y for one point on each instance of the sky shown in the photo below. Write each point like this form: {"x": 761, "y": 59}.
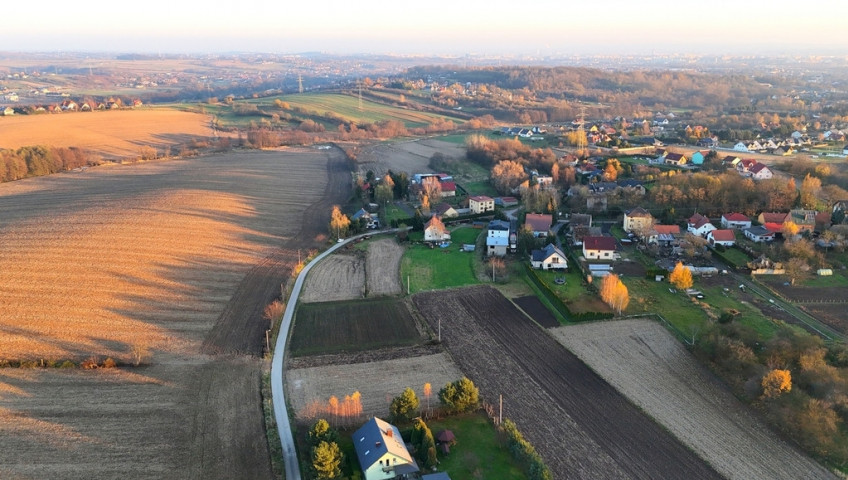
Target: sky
{"x": 457, "y": 27}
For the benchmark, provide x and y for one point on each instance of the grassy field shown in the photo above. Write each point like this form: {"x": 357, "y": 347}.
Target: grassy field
{"x": 573, "y": 293}
{"x": 647, "y": 296}
{"x": 349, "y": 326}
{"x": 432, "y": 269}
{"x": 736, "y": 257}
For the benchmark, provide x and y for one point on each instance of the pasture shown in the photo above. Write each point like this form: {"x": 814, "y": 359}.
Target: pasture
{"x": 426, "y": 268}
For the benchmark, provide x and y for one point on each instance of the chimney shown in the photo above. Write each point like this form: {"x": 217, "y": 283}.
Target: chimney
{"x": 389, "y": 432}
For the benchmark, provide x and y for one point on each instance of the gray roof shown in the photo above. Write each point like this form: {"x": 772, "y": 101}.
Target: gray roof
{"x": 758, "y": 230}
{"x": 436, "y": 476}
{"x": 499, "y": 225}
{"x": 545, "y": 253}
{"x": 375, "y": 439}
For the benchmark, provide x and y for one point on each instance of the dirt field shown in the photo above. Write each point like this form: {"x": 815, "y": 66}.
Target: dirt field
{"x": 833, "y": 315}
{"x": 178, "y": 257}
{"x": 646, "y": 363}
{"x": 378, "y": 382}
{"x": 114, "y": 134}
{"x": 582, "y": 426}
{"x": 411, "y": 156}
{"x": 382, "y": 267}
{"x": 533, "y": 307}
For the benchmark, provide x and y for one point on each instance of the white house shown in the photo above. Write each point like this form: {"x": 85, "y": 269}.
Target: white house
{"x": 497, "y": 238}
{"x": 699, "y": 225}
{"x": 740, "y": 147}
{"x": 721, "y": 237}
{"x": 598, "y": 248}
{"x": 549, "y": 258}
{"x": 435, "y": 231}
{"x": 735, "y": 220}
{"x": 760, "y": 172}
{"x": 481, "y": 204}
{"x": 759, "y": 234}
{"x": 637, "y": 219}
{"x": 382, "y": 452}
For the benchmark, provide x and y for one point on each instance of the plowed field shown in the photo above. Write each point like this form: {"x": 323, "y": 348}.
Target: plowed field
{"x": 179, "y": 257}
{"x": 644, "y": 362}
{"x": 582, "y": 426}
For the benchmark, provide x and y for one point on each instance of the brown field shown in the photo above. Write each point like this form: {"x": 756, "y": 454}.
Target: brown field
{"x": 382, "y": 267}
{"x": 409, "y": 156}
{"x": 178, "y": 257}
{"x": 114, "y": 134}
{"x": 581, "y": 426}
{"x": 377, "y": 381}
{"x": 647, "y": 364}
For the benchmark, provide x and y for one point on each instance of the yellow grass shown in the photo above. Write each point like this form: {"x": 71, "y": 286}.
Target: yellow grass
{"x": 113, "y": 133}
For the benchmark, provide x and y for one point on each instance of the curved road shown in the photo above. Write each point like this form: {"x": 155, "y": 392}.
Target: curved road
{"x": 278, "y": 373}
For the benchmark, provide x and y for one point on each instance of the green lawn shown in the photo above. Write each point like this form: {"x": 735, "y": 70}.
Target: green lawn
{"x": 838, "y": 279}
{"x": 737, "y": 257}
{"x": 648, "y": 296}
{"x": 483, "y": 187}
{"x": 749, "y": 315}
{"x": 572, "y": 292}
{"x": 437, "y": 268}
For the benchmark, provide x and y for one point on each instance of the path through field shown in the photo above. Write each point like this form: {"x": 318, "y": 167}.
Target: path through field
{"x": 582, "y": 426}
{"x": 177, "y": 257}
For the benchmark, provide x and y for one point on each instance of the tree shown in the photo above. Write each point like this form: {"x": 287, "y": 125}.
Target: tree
{"x": 326, "y": 460}
{"x": 423, "y": 441}
{"x": 428, "y": 390}
{"x": 322, "y": 432}
{"x": 776, "y": 382}
{"x": 431, "y": 187}
{"x": 614, "y": 293}
{"x": 383, "y": 194}
{"x": 789, "y": 229}
{"x": 681, "y": 277}
{"x": 459, "y": 396}
{"x": 339, "y": 223}
{"x": 405, "y": 406}
{"x": 796, "y": 269}
{"x": 810, "y": 188}
{"x": 507, "y": 175}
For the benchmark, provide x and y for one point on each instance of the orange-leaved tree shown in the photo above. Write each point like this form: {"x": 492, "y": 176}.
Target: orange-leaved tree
{"x": 681, "y": 277}
{"x": 614, "y": 293}
{"x": 776, "y": 382}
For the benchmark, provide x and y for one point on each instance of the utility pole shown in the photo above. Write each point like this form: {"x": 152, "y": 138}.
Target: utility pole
{"x": 493, "y": 270}
{"x": 407, "y": 284}
{"x": 500, "y": 409}
{"x": 299, "y": 83}
{"x": 268, "y": 341}
{"x": 440, "y": 330}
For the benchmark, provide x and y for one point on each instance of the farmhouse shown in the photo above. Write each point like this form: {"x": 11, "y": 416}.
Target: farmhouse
{"x": 637, "y": 219}
{"x": 721, "y": 237}
{"x": 598, "y": 248}
{"x": 381, "y": 451}
{"x": 445, "y": 210}
{"x": 538, "y": 223}
{"x": 773, "y": 221}
{"x": 435, "y": 231}
{"x": 699, "y": 225}
{"x": 760, "y": 172}
{"x": 370, "y": 220}
{"x": 675, "y": 159}
{"x": 759, "y": 234}
{"x": 481, "y": 204}
{"x": 548, "y": 258}
{"x": 497, "y": 238}
{"x": 735, "y": 220}
{"x": 448, "y": 189}
{"x": 664, "y": 234}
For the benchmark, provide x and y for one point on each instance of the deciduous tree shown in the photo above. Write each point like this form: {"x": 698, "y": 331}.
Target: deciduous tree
{"x": 614, "y": 293}
{"x": 681, "y": 277}
{"x": 507, "y": 175}
{"x": 339, "y": 223}
{"x": 776, "y": 382}
{"x": 797, "y": 269}
{"x": 432, "y": 188}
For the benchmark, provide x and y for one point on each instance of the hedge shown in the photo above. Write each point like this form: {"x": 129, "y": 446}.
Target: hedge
{"x": 524, "y": 452}
{"x": 559, "y": 304}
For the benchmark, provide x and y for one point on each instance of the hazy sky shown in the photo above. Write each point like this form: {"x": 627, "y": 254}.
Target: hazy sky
{"x": 429, "y": 26}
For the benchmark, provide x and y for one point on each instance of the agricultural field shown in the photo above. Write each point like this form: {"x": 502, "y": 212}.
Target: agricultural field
{"x": 175, "y": 260}
{"x": 648, "y": 365}
{"x": 333, "y": 327}
{"x": 411, "y": 156}
{"x": 581, "y": 426}
{"x": 113, "y": 134}
{"x": 382, "y": 267}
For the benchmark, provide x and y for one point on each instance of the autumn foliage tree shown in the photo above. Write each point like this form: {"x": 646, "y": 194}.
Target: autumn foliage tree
{"x": 776, "y": 382}
{"x": 614, "y": 293}
{"x": 339, "y": 223}
{"x": 681, "y": 277}
{"x": 507, "y": 175}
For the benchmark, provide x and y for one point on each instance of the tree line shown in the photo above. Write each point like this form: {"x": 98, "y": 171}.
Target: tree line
{"x": 34, "y": 161}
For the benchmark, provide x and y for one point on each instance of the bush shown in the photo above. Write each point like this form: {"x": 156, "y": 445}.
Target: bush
{"x": 110, "y": 363}
{"x": 459, "y": 396}
{"x": 67, "y": 364}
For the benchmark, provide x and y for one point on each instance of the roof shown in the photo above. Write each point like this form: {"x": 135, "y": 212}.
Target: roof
{"x": 735, "y": 217}
{"x": 498, "y": 225}
{"x": 674, "y": 157}
{"x": 538, "y": 222}
{"x": 435, "y": 223}
{"x": 638, "y": 212}
{"x": 667, "y": 229}
{"x": 759, "y": 231}
{"x": 757, "y": 167}
{"x": 359, "y": 214}
{"x": 442, "y": 208}
{"x": 481, "y": 198}
{"x": 581, "y": 219}
{"x": 545, "y": 253}
{"x": 598, "y": 243}
{"x": 698, "y": 220}
{"x": 448, "y": 186}
{"x": 497, "y": 241}
{"x": 774, "y": 217}
{"x": 723, "y": 235}
{"x": 436, "y": 476}
{"x": 375, "y": 439}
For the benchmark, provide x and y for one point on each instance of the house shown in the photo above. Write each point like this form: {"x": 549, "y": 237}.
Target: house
{"x": 845, "y": 150}
{"x": 548, "y": 258}
{"x": 721, "y": 237}
{"x": 744, "y": 166}
{"x": 481, "y": 204}
{"x": 664, "y": 234}
{"x": 631, "y": 185}
{"x": 637, "y": 220}
{"x": 435, "y": 231}
{"x": 735, "y": 220}
{"x": 506, "y": 201}
{"x": 773, "y": 221}
{"x": 436, "y": 476}
{"x": 538, "y": 223}
{"x": 448, "y": 189}
{"x": 805, "y": 219}
{"x": 675, "y": 159}
{"x": 740, "y": 147}
{"x": 381, "y": 451}
{"x": 759, "y": 234}
{"x": 497, "y": 238}
{"x": 370, "y": 219}
{"x": 8, "y": 111}
{"x": 445, "y": 210}
{"x": 699, "y": 225}
{"x": 598, "y": 248}
{"x": 760, "y": 172}
{"x": 698, "y": 157}
{"x": 730, "y": 160}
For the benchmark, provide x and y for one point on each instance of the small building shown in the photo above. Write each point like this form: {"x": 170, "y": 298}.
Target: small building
{"x": 506, "y": 201}
{"x": 735, "y": 220}
{"x": 675, "y": 159}
{"x": 759, "y": 234}
{"x": 435, "y": 231}
{"x": 548, "y": 258}
{"x": 760, "y": 171}
{"x": 538, "y": 223}
{"x": 721, "y": 237}
{"x": 805, "y": 219}
{"x": 382, "y": 452}
{"x": 497, "y": 238}
{"x": 664, "y": 234}
{"x": 8, "y": 111}
{"x": 699, "y": 225}
{"x": 699, "y": 156}
{"x": 370, "y": 220}
{"x": 481, "y": 204}
{"x": 773, "y": 221}
{"x": 598, "y": 248}
{"x": 448, "y": 189}
{"x": 637, "y": 220}
{"x": 445, "y": 210}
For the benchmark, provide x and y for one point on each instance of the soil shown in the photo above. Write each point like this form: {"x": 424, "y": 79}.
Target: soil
{"x": 647, "y": 364}
{"x": 337, "y": 277}
{"x": 410, "y": 156}
{"x": 581, "y": 426}
{"x": 833, "y": 315}
{"x": 382, "y": 267}
{"x": 533, "y": 307}
{"x": 805, "y": 294}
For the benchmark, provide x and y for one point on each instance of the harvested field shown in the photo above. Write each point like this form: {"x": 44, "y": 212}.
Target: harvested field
{"x": 832, "y": 315}
{"x": 805, "y": 294}
{"x": 581, "y": 426}
{"x": 333, "y": 327}
{"x": 382, "y": 267}
{"x": 534, "y": 308}
{"x": 114, "y": 134}
{"x": 378, "y": 382}
{"x": 410, "y": 156}
{"x": 337, "y": 277}
{"x": 647, "y": 364}
{"x": 175, "y": 257}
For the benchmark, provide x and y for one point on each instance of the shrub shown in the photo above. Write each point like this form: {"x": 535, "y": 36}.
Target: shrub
{"x": 459, "y": 396}
{"x": 89, "y": 363}
{"x": 67, "y": 364}
{"x": 109, "y": 363}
